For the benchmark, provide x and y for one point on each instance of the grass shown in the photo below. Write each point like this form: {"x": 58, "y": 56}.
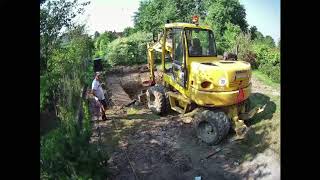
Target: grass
{"x": 132, "y": 111}
{"x": 266, "y": 125}
{"x": 264, "y": 78}
{"x": 167, "y": 64}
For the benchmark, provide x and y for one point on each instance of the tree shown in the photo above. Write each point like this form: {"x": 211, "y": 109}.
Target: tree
{"x": 152, "y": 15}
{"x": 55, "y": 16}
{"x": 253, "y": 31}
{"x": 221, "y": 12}
{"x": 101, "y": 43}
{"x": 96, "y": 35}
{"x": 231, "y": 34}
{"x": 269, "y": 41}
{"x": 56, "y": 19}
{"x": 187, "y": 8}
{"x": 128, "y": 31}
{"x": 258, "y": 36}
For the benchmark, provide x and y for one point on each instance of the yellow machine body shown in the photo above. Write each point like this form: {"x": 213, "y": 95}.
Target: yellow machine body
{"x": 204, "y": 80}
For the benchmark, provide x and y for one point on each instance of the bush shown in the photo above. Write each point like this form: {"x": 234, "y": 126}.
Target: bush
{"x": 249, "y": 56}
{"x": 273, "y": 72}
{"x": 101, "y": 43}
{"x": 65, "y": 153}
{"x": 266, "y": 54}
{"x": 268, "y": 59}
{"x": 129, "y": 50}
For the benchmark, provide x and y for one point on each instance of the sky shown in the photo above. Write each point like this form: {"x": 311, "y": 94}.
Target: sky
{"x": 115, "y": 15}
{"x": 265, "y": 15}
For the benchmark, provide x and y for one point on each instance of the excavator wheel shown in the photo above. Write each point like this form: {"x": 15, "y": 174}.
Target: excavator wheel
{"x": 157, "y": 99}
{"x": 211, "y": 126}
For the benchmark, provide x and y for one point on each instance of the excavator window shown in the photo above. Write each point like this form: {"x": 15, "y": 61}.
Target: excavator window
{"x": 168, "y": 52}
{"x": 200, "y": 42}
{"x": 177, "y": 46}
{"x": 178, "y": 70}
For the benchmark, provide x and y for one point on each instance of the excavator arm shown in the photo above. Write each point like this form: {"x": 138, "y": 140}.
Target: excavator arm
{"x": 151, "y": 48}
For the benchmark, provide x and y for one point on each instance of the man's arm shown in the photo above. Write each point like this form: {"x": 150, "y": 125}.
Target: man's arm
{"x": 93, "y": 91}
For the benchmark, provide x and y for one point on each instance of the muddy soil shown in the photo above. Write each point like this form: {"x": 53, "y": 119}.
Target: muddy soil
{"x": 146, "y": 146}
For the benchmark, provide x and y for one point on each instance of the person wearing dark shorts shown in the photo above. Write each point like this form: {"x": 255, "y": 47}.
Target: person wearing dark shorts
{"x": 104, "y": 103}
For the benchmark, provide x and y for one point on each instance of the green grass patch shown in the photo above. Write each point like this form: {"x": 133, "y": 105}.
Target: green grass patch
{"x": 265, "y": 127}
{"x": 131, "y": 111}
{"x": 265, "y": 79}
{"x": 167, "y": 65}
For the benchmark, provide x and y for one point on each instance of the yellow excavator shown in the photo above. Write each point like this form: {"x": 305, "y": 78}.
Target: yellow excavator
{"x": 195, "y": 82}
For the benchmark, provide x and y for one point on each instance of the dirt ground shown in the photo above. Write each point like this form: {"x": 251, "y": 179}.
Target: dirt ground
{"x": 142, "y": 145}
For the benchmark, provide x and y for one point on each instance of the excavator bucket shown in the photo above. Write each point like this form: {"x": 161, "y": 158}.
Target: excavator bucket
{"x": 238, "y": 120}
{"x": 250, "y": 114}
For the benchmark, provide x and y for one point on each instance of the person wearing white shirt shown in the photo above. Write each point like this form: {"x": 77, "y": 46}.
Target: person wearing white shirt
{"x": 97, "y": 91}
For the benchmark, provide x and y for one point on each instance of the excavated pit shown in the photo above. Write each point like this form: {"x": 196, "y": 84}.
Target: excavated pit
{"x": 132, "y": 88}
{"x": 132, "y": 84}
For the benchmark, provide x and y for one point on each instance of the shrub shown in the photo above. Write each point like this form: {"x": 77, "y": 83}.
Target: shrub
{"x": 268, "y": 60}
{"x": 266, "y": 54}
{"x": 272, "y": 71}
{"x": 128, "y": 50}
{"x": 65, "y": 153}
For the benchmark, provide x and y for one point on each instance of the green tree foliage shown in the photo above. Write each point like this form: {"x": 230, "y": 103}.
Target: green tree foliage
{"x": 128, "y": 31}
{"x": 96, "y": 35}
{"x": 222, "y": 12}
{"x": 129, "y": 50}
{"x": 245, "y": 49}
{"x": 55, "y": 16}
{"x": 229, "y": 41}
{"x": 268, "y": 60}
{"x": 267, "y": 53}
{"x": 253, "y": 32}
{"x": 65, "y": 153}
{"x": 258, "y": 36}
{"x": 101, "y": 43}
{"x": 187, "y": 8}
{"x": 269, "y": 40}
{"x": 152, "y": 14}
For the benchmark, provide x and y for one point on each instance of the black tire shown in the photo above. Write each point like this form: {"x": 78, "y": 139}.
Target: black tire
{"x": 212, "y": 126}
{"x": 157, "y": 99}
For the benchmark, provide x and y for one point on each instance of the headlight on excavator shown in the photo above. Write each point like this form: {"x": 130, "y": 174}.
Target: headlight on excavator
{"x": 222, "y": 81}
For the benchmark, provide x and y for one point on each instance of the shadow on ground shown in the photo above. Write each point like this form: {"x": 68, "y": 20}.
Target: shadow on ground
{"x": 267, "y": 114}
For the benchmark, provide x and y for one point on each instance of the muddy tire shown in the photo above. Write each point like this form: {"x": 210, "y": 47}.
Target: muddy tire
{"x": 212, "y": 126}
{"x": 157, "y": 99}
